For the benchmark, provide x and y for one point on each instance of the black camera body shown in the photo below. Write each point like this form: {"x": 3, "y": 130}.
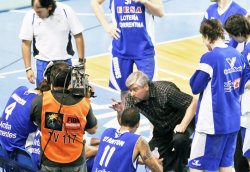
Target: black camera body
{"x": 79, "y": 82}
{"x": 78, "y": 79}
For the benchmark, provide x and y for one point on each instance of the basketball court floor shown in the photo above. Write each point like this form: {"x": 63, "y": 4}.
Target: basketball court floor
{"x": 178, "y": 47}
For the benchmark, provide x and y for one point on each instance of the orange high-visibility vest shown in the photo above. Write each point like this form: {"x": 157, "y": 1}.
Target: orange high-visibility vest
{"x": 63, "y": 132}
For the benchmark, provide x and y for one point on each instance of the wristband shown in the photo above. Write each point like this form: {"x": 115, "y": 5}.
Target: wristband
{"x": 82, "y": 60}
{"x": 28, "y": 68}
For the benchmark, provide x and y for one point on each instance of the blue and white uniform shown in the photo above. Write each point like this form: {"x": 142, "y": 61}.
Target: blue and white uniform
{"x": 115, "y": 152}
{"x": 136, "y": 42}
{"x": 214, "y": 13}
{"x": 15, "y": 124}
{"x": 218, "y": 79}
{"x": 245, "y": 110}
{"x": 35, "y": 151}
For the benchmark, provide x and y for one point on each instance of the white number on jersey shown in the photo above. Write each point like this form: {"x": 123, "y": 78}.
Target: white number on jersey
{"x": 9, "y": 109}
{"x": 107, "y": 153}
{"x": 127, "y": 2}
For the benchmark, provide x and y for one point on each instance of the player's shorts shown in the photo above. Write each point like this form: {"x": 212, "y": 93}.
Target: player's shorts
{"x": 89, "y": 163}
{"x": 245, "y": 135}
{"x": 209, "y": 152}
{"x": 121, "y": 68}
{"x": 41, "y": 66}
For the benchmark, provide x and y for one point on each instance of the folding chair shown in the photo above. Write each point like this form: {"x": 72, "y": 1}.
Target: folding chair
{"x": 23, "y": 160}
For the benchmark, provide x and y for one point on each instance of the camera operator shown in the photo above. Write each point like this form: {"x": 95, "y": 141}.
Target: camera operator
{"x": 62, "y": 119}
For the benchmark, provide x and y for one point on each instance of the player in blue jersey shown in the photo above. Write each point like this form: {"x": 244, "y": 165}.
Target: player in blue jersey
{"x": 218, "y": 81}
{"x": 238, "y": 28}
{"x": 221, "y": 10}
{"x": 15, "y": 124}
{"x": 132, "y": 31}
{"x": 119, "y": 150}
{"x": 35, "y": 149}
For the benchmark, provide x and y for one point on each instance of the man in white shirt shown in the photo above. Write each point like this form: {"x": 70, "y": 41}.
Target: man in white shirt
{"x": 49, "y": 25}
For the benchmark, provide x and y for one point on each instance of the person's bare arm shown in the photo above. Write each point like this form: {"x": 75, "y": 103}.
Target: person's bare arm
{"x": 94, "y": 141}
{"x": 155, "y": 7}
{"x": 143, "y": 149}
{"x": 26, "y": 51}
{"x": 112, "y": 30}
{"x": 92, "y": 130}
{"x": 247, "y": 86}
{"x": 80, "y": 45}
{"x": 90, "y": 151}
{"x": 190, "y": 113}
{"x": 118, "y": 107}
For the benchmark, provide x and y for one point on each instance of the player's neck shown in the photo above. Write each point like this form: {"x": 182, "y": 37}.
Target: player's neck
{"x": 218, "y": 43}
{"x": 222, "y": 4}
{"x": 125, "y": 129}
{"x": 248, "y": 40}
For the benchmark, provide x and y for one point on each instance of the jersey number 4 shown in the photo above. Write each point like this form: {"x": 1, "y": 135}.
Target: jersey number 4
{"x": 9, "y": 109}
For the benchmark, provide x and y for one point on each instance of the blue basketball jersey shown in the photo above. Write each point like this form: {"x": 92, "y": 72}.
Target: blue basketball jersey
{"x": 136, "y": 25}
{"x": 246, "y": 52}
{"x": 247, "y": 58}
{"x": 15, "y": 124}
{"x": 115, "y": 152}
{"x": 36, "y": 148}
{"x": 245, "y": 99}
{"x": 220, "y": 73}
{"x": 233, "y": 8}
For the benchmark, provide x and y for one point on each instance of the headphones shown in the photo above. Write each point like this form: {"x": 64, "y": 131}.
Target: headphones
{"x": 57, "y": 72}
{"x": 46, "y": 73}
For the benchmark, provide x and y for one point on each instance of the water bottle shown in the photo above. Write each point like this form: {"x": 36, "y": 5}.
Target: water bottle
{"x": 156, "y": 154}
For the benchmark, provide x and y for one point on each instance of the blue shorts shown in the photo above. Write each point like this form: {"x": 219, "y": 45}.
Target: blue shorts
{"x": 40, "y": 67}
{"x": 210, "y": 152}
{"x": 89, "y": 163}
{"x": 245, "y": 135}
{"x": 121, "y": 68}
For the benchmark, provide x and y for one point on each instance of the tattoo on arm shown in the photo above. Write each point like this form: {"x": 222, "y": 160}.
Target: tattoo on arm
{"x": 147, "y": 154}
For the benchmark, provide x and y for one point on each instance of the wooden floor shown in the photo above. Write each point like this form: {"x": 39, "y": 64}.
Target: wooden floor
{"x": 177, "y": 61}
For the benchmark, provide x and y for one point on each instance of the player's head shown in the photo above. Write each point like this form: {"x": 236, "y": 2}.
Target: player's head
{"x": 58, "y": 74}
{"x": 130, "y": 118}
{"x": 238, "y": 27}
{"x": 43, "y": 86}
{"x": 43, "y": 8}
{"x": 211, "y": 31}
